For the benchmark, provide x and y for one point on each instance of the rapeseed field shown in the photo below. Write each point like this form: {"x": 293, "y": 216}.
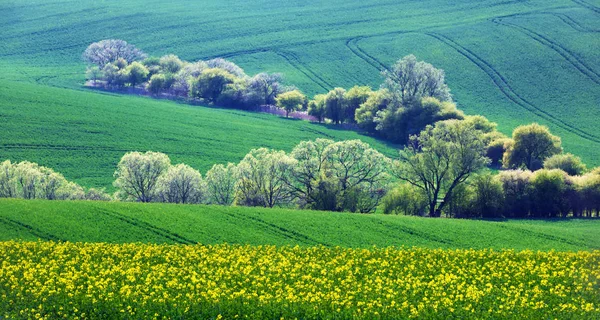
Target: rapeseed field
{"x": 131, "y": 281}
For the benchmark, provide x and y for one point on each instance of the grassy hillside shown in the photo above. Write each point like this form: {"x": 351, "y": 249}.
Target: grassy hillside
{"x": 513, "y": 61}
{"x": 162, "y": 223}
{"x": 84, "y": 134}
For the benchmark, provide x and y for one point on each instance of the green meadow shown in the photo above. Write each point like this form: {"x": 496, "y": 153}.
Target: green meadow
{"x": 89, "y": 221}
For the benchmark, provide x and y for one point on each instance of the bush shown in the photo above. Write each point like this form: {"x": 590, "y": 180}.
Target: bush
{"x": 567, "y": 162}
{"x": 404, "y": 199}
{"x": 488, "y": 201}
{"x": 517, "y": 198}
{"x": 548, "y": 190}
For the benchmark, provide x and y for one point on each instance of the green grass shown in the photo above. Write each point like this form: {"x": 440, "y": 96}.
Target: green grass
{"x": 84, "y": 134}
{"x": 515, "y": 62}
{"x": 164, "y": 223}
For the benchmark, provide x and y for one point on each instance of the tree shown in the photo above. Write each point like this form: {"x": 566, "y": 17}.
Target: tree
{"x": 397, "y": 124}
{"x": 156, "y": 84}
{"x": 516, "y": 189}
{"x": 180, "y": 184}
{"x": 264, "y": 88}
{"x": 410, "y": 80}
{"x": 443, "y": 157}
{"x": 548, "y": 193}
{"x": 334, "y": 105}
{"x": 290, "y": 101}
{"x": 354, "y": 98}
{"x": 531, "y": 145}
{"x": 28, "y": 179}
{"x": 220, "y": 182}
{"x": 567, "y": 162}
{"x": 183, "y": 78}
{"x": 114, "y": 76}
{"x": 306, "y": 175}
{"x": 495, "y": 150}
{"x": 228, "y": 66}
{"x": 93, "y": 73}
{"x": 360, "y": 173}
{"x": 365, "y": 114}
{"x": 8, "y": 187}
{"x": 488, "y": 199}
{"x": 262, "y": 176}
{"x": 211, "y": 83}
{"x": 316, "y": 107}
{"x": 137, "y": 174}
{"x": 170, "y": 63}
{"x": 107, "y": 51}
{"x": 137, "y": 73}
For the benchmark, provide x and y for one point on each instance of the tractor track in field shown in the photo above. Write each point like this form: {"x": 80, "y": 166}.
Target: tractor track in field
{"x": 556, "y": 47}
{"x": 392, "y": 230}
{"x": 147, "y": 226}
{"x": 587, "y": 5}
{"x": 34, "y": 231}
{"x": 281, "y": 231}
{"x": 352, "y": 44}
{"x": 502, "y": 84}
{"x": 574, "y": 24}
{"x": 543, "y": 235}
{"x": 294, "y": 61}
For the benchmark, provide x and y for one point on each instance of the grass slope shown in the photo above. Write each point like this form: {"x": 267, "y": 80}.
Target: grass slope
{"x": 84, "y": 134}
{"x": 513, "y": 61}
{"x": 164, "y": 223}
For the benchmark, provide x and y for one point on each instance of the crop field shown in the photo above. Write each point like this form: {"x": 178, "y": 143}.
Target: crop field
{"x": 89, "y": 221}
{"x": 49, "y": 280}
{"x": 84, "y": 134}
{"x": 513, "y": 61}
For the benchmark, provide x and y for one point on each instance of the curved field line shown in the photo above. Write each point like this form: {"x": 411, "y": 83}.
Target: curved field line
{"x": 278, "y": 230}
{"x": 352, "y": 45}
{"x": 34, "y": 231}
{"x": 543, "y": 235}
{"x": 558, "y": 48}
{"x": 587, "y": 5}
{"x": 574, "y": 24}
{"x": 508, "y": 91}
{"x": 151, "y": 228}
{"x": 293, "y": 60}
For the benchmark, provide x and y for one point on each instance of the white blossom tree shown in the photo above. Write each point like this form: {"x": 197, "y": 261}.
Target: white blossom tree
{"x": 220, "y": 183}
{"x": 137, "y": 174}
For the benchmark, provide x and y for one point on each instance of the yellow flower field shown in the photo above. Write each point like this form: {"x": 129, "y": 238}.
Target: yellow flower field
{"x": 80, "y": 280}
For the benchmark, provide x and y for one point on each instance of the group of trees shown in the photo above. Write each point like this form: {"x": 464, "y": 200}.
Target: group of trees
{"x": 116, "y": 64}
{"x": 320, "y": 174}
{"x": 28, "y": 180}
{"x": 440, "y": 172}
{"x": 413, "y": 95}
{"x": 446, "y": 177}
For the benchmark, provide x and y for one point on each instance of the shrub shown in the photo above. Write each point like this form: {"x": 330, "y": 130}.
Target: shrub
{"x": 567, "y": 162}
{"x": 404, "y": 199}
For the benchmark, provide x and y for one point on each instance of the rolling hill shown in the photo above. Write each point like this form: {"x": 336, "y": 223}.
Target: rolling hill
{"x": 84, "y": 134}
{"x": 81, "y": 221}
{"x": 515, "y": 62}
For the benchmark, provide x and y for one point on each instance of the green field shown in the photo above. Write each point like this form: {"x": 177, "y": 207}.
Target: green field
{"x": 186, "y": 224}
{"x": 84, "y": 134}
{"x": 513, "y": 61}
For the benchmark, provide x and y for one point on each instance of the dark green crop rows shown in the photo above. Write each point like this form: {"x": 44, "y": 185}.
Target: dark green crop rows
{"x": 185, "y": 224}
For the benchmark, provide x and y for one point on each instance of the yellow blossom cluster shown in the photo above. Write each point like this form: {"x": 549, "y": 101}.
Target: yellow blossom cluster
{"x": 139, "y": 281}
